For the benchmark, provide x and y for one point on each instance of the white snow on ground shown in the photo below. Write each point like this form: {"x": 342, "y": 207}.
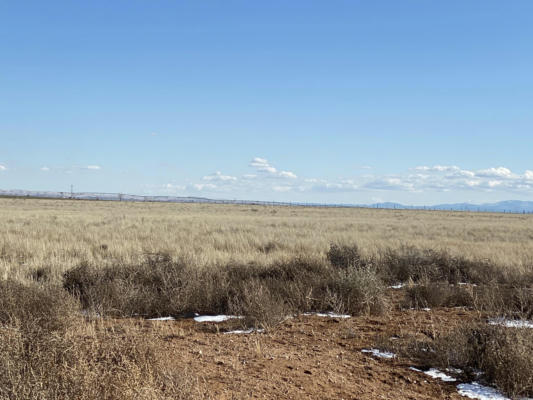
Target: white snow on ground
{"x": 476, "y": 391}
{"x": 162, "y": 319}
{"x": 397, "y": 286}
{"x": 215, "y": 318}
{"x": 380, "y": 354}
{"x": 243, "y": 332}
{"x": 436, "y": 374}
{"x": 510, "y": 323}
{"x": 472, "y": 390}
{"x": 329, "y": 314}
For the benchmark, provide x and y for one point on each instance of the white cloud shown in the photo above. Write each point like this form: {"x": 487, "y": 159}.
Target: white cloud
{"x": 438, "y": 168}
{"x": 263, "y": 166}
{"x": 288, "y": 174}
{"x": 437, "y": 178}
{"x": 45, "y": 168}
{"x": 93, "y": 167}
{"x": 500, "y": 172}
{"x": 449, "y": 178}
{"x": 3, "y": 167}
{"x": 219, "y": 176}
{"x": 334, "y": 187}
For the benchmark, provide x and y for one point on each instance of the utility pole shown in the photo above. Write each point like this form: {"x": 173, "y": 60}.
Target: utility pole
{"x": 71, "y": 191}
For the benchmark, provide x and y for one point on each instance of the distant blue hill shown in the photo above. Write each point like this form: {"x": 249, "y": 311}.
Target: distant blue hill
{"x": 510, "y": 206}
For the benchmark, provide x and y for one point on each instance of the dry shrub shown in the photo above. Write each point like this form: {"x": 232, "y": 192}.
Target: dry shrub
{"x": 412, "y": 263}
{"x": 505, "y": 300}
{"x": 508, "y": 360}
{"x": 262, "y": 308}
{"x": 161, "y": 286}
{"x": 34, "y": 309}
{"x": 47, "y": 351}
{"x": 344, "y": 256}
{"x": 362, "y": 291}
{"x": 504, "y": 355}
{"x": 41, "y": 274}
{"x": 97, "y": 366}
{"x": 428, "y": 294}
{"x": 152, "y": 288}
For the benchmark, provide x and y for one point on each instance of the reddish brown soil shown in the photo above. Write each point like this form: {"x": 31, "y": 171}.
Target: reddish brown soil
{"x": 306, "y": 357}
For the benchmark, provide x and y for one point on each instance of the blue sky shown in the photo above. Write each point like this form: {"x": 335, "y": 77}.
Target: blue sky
{"x": 420, "y": 102}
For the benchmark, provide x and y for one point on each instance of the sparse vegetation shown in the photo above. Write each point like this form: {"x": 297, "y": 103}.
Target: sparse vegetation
{"x": 63, "y": 263}
{"x": 162, "y": 287}
{"x": 48, "y": 351}
{"x": 503, "y": 355}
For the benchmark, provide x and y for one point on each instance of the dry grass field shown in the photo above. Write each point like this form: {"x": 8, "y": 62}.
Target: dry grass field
{"x": 61, "y": 234}
{"x": 79, "y": 279}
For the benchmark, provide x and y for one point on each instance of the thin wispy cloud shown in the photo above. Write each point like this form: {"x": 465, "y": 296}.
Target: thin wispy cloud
{"x": 3, "y": 167}
{"x": 220, "y": 177}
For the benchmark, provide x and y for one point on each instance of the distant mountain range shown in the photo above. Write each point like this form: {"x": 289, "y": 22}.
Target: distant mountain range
{"x": 509, "y": 206}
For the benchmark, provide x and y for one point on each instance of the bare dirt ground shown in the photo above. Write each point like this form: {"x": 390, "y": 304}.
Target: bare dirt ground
{"x": 306, "y": 357}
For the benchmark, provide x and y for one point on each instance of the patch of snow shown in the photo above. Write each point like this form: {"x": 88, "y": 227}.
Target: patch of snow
{"x": 378, "y": 353}
{"x": 215, "y": 318}
{"x": 329, "y": 314}
{"x": 162, "y": 319}
{"x": 415, "y": 369}
{"x": 511, "y": 323}
{"x": 436, "y": 374}
{"x": 244, "y": 332}
{"x": 397, "y": 286}
{"x": 426, "y": 309}
{"x": 475, "y": 390}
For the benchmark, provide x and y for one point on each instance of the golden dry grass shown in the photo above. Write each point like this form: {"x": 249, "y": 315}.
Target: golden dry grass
{"x": 59, "y": 234}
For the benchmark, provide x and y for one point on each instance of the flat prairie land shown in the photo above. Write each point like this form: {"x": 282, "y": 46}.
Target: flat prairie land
{"x": 82, "y": 281}
{"x": 60, "y": 233}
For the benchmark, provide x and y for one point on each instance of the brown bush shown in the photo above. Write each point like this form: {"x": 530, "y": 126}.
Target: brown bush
{"x": 362, "y": 292}
{"x": 160, "y": 287}
{"x": 35, "y": 309}
{"x": 48, "y": 351}
{"x": 505, "y": 300}
{"x": 344, "y": 256}
{"x": 504, "y": 355}
{"x": 428, "y": 294}
{"x": 412, "y": 263}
